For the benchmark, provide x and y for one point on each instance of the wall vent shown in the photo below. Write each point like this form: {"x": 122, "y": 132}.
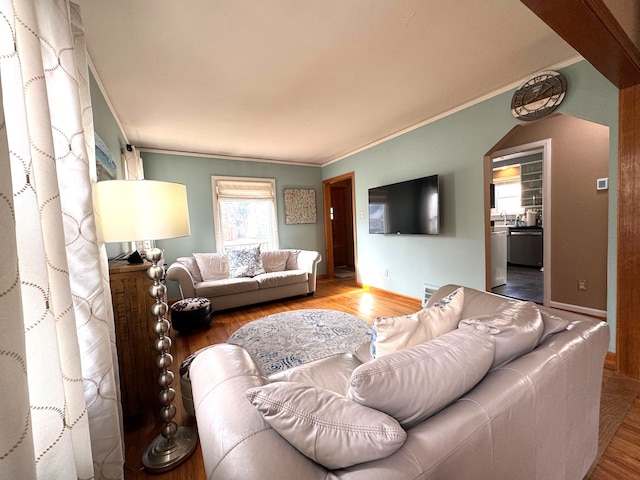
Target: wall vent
{"x": 427, "y": 291}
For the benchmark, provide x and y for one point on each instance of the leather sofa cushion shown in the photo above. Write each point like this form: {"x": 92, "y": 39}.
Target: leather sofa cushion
{"x": 326, "y": 427}
{"x": 331, "y": 373}
{"x": 552, "y": 325}
{"x": 277, "y": 279}
{"x": 213, "y": 266}
{"x": 226, "y": 286}
{"x": 414, "y": 383}
{"x": 391, "y": 334}
{"x": 517, "y": 330}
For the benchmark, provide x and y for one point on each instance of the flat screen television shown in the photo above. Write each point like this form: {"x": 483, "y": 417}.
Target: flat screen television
{"x": 405, "y": 208}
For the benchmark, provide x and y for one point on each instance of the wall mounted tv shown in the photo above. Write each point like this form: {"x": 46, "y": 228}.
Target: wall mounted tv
{"x": 404, "y": 208}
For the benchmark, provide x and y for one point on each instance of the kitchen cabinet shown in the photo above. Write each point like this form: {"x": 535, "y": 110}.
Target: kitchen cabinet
{"x": 531, "y": 184}
{"x": 134, "y": 337}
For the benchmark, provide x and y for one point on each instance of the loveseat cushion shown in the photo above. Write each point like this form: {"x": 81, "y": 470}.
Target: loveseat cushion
{"x": 275, "y": 260}
{"x": 226, "y": 286}
{"x": 414, "y": 383}
{"x": 391, "y": 334}
{"x": 326, "y": 427}
{"x": 245, "y": 262}
{"x": 213, "y": 266}
{"x": 517, "y": 330}
{"x": 278, "y": 279}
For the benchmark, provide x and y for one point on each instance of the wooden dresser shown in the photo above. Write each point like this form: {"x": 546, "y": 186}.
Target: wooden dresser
{"x": 135, "y": 338}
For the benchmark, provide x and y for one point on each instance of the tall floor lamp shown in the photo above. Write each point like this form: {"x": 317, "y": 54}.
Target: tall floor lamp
{"x": 134, "y": 210}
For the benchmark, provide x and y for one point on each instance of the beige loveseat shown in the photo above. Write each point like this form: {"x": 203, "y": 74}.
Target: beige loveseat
{"x": 239, "y": 278}
{"x": 533, "y": 415}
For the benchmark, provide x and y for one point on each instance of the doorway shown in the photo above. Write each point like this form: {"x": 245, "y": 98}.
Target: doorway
{"x": 519, "y": 239}
{"x": 575, "y": 217}
{"x": 339, "y": 229}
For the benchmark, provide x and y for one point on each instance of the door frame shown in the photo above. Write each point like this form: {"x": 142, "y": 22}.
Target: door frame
{"x": 545, "y": 145}
{"x": 328, "y": 227}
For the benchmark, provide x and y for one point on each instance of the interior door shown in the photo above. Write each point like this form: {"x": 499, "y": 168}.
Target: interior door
{"x": 340, "y": 218}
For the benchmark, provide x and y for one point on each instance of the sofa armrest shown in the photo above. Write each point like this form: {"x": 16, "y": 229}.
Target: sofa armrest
{"x": 308, "y": 261}
{"x": 179, "y": 273}
{"x": 235, "y": 439}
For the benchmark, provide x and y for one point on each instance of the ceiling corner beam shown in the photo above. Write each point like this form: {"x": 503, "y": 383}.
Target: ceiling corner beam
{"x": 591, "y": 29}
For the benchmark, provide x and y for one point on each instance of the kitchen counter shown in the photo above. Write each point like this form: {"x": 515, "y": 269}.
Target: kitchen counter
{"x": 532, "y": 228}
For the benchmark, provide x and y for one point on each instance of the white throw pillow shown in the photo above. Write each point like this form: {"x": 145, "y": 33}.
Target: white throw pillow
{"x": 275, "y": 260}
{"x": 414, "y": 383}
{"x": 213, "y": 266}
{"x": 192, "y": 266}
{"x": 326, "y": 427}
{"x": 391, "y": 334}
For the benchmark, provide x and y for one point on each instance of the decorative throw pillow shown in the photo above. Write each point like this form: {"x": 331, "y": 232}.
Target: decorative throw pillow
{"x": 414, "y": 383}
{"x": 326, "y": 427}
{"x": 192, "y": 266}
{"x": 245, "y": 263}
{"x": 517, "y": 330}
{"x": 292, "y": 261}
{"x": 212, "y": 266}
{"x": 275, "y": 260}
{"x": 391, "y": 334}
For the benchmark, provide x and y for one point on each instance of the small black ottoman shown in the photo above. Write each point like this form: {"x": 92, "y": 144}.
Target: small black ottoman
{"x": 190, "y": 314}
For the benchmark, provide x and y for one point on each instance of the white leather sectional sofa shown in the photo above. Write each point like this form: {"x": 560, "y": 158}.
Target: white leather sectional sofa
{"x": 534, "y": 414}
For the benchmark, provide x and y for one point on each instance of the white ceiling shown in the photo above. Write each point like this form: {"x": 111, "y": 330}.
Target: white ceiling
{"x": 304, "y": 81}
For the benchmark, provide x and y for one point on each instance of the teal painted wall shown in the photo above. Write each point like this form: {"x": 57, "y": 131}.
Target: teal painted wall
{"x": 107, "y": 128}
{"x": 454, "y": 148}
{"x": 195, "y": 173}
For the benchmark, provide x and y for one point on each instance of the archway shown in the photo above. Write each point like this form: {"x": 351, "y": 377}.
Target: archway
{"x": 576, "y": 211}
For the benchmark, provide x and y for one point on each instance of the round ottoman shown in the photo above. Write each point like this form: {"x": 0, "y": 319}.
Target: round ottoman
{"x": 190, "y": 314}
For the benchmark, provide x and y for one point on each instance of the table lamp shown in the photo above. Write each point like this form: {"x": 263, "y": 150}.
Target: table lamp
{"x": 135, "y": 210}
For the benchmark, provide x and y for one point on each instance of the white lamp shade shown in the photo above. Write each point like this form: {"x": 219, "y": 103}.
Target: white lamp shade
{"x": 133, "y": 210}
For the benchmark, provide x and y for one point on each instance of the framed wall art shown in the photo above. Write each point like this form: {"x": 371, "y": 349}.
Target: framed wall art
{"x": 299, "y": 206}
{"x": 105, "y": 165}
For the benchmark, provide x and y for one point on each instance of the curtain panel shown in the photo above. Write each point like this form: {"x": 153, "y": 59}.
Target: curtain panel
{"x": 57, "y": 340}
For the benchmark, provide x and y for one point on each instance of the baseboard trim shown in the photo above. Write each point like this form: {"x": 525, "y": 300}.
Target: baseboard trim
{"x": 593, "y": 312}
{"x": 610, "y": 361}
{"x": 381, "y": 291}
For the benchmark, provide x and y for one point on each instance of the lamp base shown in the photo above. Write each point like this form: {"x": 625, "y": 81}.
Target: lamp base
{"x": 162, "y": 455}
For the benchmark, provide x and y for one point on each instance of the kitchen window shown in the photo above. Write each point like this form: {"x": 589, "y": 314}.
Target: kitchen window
{"x": 244, "y": 212}
{"x": 508, "y": 198}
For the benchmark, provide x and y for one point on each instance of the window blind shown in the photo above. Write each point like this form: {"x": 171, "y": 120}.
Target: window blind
{"x": 249, "y": 189}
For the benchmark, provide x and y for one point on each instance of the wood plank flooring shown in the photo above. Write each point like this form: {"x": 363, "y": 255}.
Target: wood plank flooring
{"x": 619, "y": 446}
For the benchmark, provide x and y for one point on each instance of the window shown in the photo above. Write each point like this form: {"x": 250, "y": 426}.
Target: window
{"x": 508, "y": 197}
{"x": 244, "y": 212}
{"x": 507, "y": 189}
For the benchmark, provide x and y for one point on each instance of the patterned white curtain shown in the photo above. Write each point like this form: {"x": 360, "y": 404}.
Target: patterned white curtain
{"x": 60, "y": 394}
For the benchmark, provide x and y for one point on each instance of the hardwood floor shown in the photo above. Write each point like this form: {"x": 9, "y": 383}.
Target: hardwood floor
{"x": 619, "y": 442}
